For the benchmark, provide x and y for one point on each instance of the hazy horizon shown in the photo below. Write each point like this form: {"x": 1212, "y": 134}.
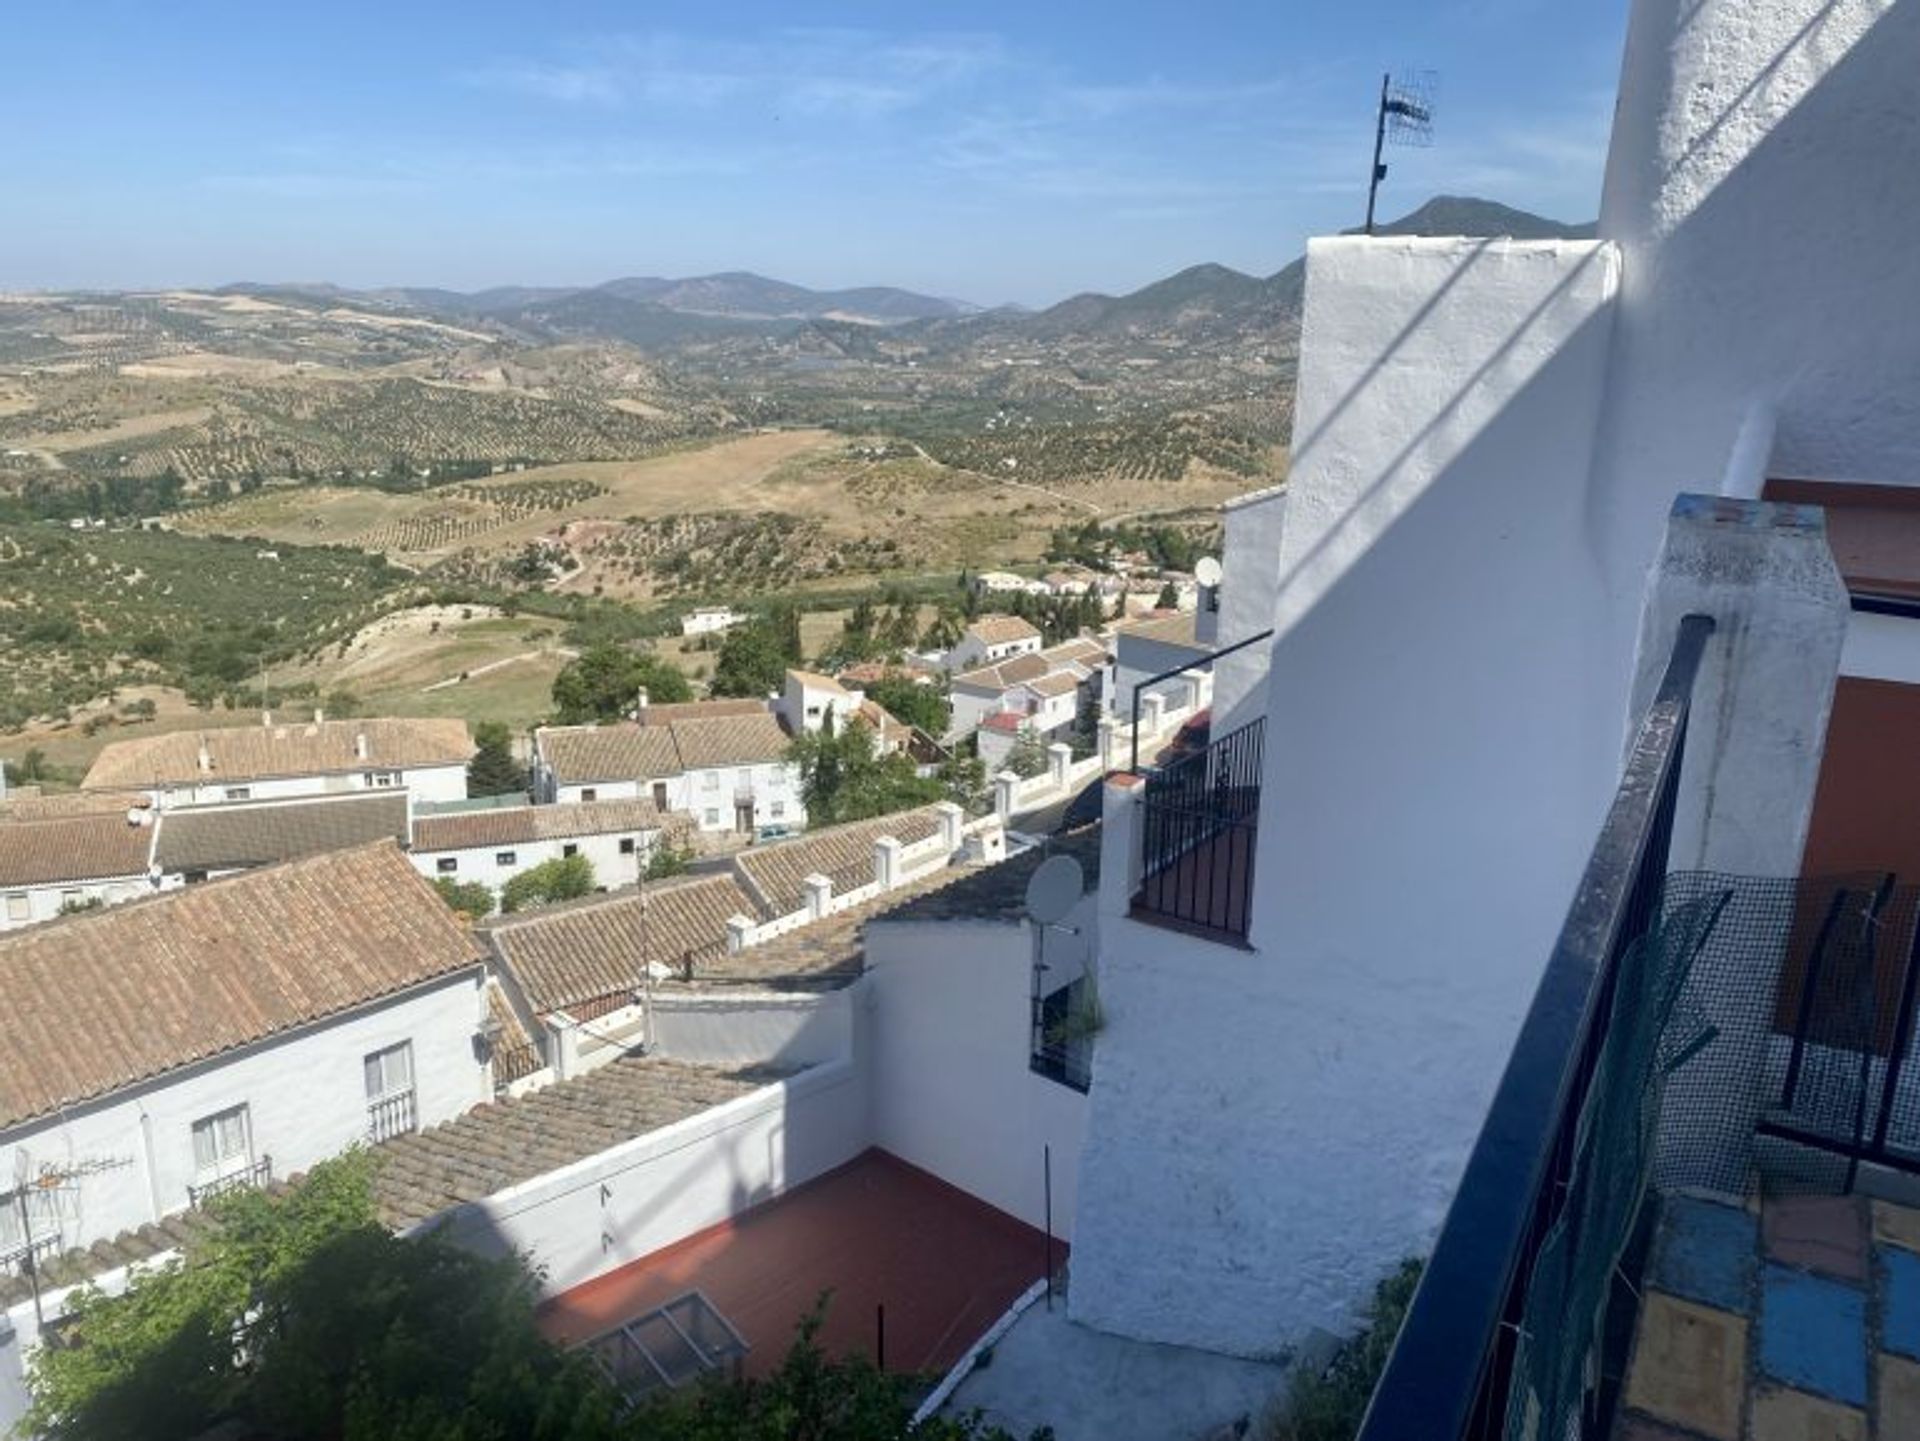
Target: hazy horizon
{"x": 1028, "y": 156}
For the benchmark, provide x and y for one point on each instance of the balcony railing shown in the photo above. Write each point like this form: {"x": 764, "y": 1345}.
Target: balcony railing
{"x": 390, "y": 1116}
{"x": 1451, "y": 1371}
{"x": 251, "y": 1177}
{"x": 1200, "y": 819}
{"x": 15, "y": 1256}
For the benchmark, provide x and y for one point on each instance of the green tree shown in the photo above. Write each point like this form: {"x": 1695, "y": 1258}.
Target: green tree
{"x": 943, "y": 631}
{"x": 341, "y": 703}
{"x": 564, "y": 878}
{"x": 844, "y": 778}
{"x": 1169, "y": 597}
{"x": 473, "y": 898}
{"x": 604, "y": 683}
{"x": 753, "y": 661}
{"x": 493, "y": 771}
{"x": 918, "y": 705}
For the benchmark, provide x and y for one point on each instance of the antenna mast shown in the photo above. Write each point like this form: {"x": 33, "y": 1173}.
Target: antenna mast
{"x": 1405, "y": 117}
{"x": 29, "y": 1182}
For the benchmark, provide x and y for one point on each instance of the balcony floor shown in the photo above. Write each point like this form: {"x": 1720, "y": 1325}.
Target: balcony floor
{"x": 1796, "y": 1318}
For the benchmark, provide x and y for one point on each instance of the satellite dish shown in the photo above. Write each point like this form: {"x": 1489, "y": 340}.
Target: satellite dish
{"x": 1207, "y": 571}
{"x": 1054, "y": 890}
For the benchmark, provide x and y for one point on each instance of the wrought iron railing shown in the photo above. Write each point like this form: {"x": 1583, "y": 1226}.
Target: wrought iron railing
{"x": 515, "y": 1061}
{"x": 16, "y": 1255}
{"x": 1449, "y": 1375}
{"x": 251, "y": 1177}
{"x": 1200, "y": 819}
{"x": 391, "y": 1116}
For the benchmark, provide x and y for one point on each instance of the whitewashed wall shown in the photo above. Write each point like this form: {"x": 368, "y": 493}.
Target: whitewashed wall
{"x": 306, "y": 1100}
{"x": 1273, "y": 1128}
{"x": 425, "y": 783}
{"x": 1250, "y": 562}
{"x": 951, "y": 1029}
{"x": 482, "y": 863}
{"x": 738, "y": 1027}
{"x": 1136, "y": 658}
{"x": 707, "y": 795}
{"x": 43, "y": 903}
{"x": 629, "y": 1201}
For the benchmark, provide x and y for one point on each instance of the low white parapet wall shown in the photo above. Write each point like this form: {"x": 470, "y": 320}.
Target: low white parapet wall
{"x": 1013, "y": 794}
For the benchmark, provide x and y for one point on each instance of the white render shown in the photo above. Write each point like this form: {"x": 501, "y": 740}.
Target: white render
{"x": 1488, "y": 438}
{"x": 29, "y": 905}
{"x": 1250, "y": 567}
{"x": 304, "y": 1092}
{"x": 422, "y": 783}
{"x": 489, "y": 866}
{"x": 707, "y": 622}
{"x": 951, "y": 1029}
{"x": 971, "y": 652}
{"x": 709, "y": 796}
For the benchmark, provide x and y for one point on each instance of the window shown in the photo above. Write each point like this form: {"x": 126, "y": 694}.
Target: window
{"x": 71, "y": 900}
{"x": 447, "y": 865}
{"x": 222, "y": 1143}
{"x": 710, "y": 781}
{"x": 777, "y": 810}
{"x": 389, "y": 1081}
{"x": 389, "y": 1071}
{"x": 383, "y": 780}
{"x": 569, "y": 849}
{"x": 712, "y": 817}
{"x": 505, "y": 858}
{"x": 626, "y": 845}
{"x": 19, "y": 907}
{"x": 589, "y": 793}
{"x": 239, "y": 793}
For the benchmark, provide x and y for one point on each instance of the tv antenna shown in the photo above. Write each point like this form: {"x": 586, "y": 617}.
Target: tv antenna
{"x": 1405, "y": 118}
{"x": 29, "y": 1181}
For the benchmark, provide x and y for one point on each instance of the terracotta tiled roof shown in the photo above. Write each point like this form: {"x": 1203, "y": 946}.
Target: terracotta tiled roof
{"x": 73, "y": 848}
{"x": 1009, "y": 672}
{"x": 667, "y": 713}
{"x": 997, "y": 892}
{"x": 776, "y": 875}
{"x": 1081, "y": 650}
{"x": 501, "y": 1145}
{"x": 565, "y": 956}
{"x": 732, "y": 741}
{"x": 244, "y": 753}
{"x": 1058, "y": 683}
{"x": 1007, "y": 722}
{"x": 99, "y": 1001}
{"x": 30, "y": 803}
{"x": 510, "y": 825}
{"x": 813, "y": 680}
{"x": 264, "y": 833}
{"x": 1177, "y": 629}
{"x": 999, "y": 629}
{"x": 580, "y": 754}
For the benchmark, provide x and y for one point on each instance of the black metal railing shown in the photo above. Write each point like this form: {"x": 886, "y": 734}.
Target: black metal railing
{"x": 1449, "y": 1375}
{"x": 16, "y": 1256}
{"x": 1203, "y": 662}
{"x": 391, "y": 1116}
{"x": 253, "y": 1176}
{"x": 1200, "y": 819}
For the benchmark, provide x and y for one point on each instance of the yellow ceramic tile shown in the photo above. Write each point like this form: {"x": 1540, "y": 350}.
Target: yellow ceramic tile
{"x": 1689, "y": 1366}
{"x": 1782, "y": 1415}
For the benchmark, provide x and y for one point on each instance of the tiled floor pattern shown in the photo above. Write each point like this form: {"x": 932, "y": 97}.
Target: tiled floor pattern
{"x": 1801, "y": 1323}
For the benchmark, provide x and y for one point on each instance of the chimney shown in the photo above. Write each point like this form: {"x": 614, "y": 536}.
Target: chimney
{"x": 359, "y": 745}
{"x": 641, "y": 701}
{"x": 266, "y": 718}
{"x": 319, "y": 715}
{"x": 206, "y": 757}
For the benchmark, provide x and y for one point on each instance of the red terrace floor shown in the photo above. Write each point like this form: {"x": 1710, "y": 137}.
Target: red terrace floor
{"x": 875, "y": 1232}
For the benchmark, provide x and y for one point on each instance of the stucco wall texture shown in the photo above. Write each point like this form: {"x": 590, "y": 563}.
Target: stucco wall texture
{"x": 1489, "y": 437}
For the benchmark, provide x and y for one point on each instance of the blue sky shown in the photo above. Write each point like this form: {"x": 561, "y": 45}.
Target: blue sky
{"x": 993, "y": 151}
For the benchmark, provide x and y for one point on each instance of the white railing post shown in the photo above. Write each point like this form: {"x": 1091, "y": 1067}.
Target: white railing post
{"x": 1109, "y": 742}
{"x": 1059, "y": 757}
{"x": 953, "y": 822}
{"x": 739, "y": 934}
{"x": 1003, "y": 785}
{"x": 1121, "y": 861}
{"x": 886, "y": 862}
{"x": 1152, "y": 712}
{"x": 819, "y": 895}
{"x": 563, "y": 1045}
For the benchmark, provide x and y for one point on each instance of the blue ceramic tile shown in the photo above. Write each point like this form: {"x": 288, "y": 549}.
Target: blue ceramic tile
{"x": 1813, "y": 1334}
{"x": 1707, "y": 1253}
{"x": 1900, "y": 1321}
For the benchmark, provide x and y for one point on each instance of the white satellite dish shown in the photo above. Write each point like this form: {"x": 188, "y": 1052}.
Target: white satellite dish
{"x": 1054, "y": 890}
{"x": 1207, "y": 571}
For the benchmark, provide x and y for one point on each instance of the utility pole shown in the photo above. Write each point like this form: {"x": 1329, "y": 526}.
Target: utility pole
{"x": 1404, "y": 117}
{"x": 1379, "y": 171}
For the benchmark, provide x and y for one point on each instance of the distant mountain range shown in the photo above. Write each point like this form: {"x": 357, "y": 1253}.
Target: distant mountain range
{"x": 654, "y": 312}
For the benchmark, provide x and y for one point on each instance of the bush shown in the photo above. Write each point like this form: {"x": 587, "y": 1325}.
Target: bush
{"x": 669, "y": 858}
{"x": 563, "y": 879}
{"x": 472, "y": 898}
{"x": 1328, "y": 1405}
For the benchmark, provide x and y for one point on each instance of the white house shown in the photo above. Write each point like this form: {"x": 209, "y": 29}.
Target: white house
{"x": 998, "y": 582}
{"x": 990, "y": 639}
{"x": 810, "y": 701}
{"x": 220, "y": 1035}
{"x": 198, "y": 843}
{"x": 1515, "y": 466}
{"x": 709, "y": 619}
{"x": 730, "y": 773}
{"x": 491, "y": 846}
{"x": 74, "y": 862}
{"x": 1152, "y": 646}
{"x": 276, "y": 760}
{"x": 1044, "y": 684}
